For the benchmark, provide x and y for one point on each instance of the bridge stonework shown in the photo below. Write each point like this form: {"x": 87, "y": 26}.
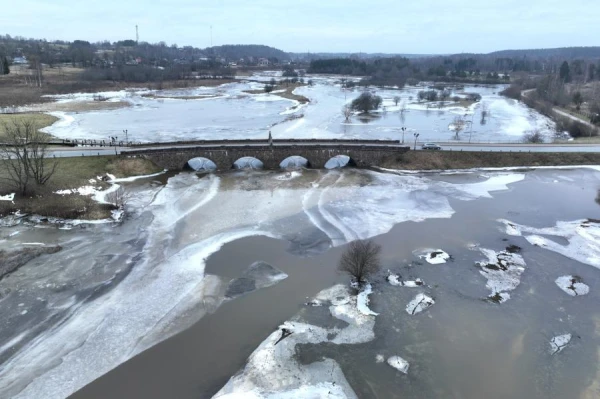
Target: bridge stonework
{"x": 176, "y": 158}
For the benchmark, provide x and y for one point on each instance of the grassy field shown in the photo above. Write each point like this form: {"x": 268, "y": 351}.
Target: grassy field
{"x": 442, "y": 160}
{"x": 73, "y": 173}
{"x": 40, "y": 120}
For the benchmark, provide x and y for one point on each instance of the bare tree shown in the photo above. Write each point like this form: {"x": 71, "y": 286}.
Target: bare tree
{"x": 396, "y": 100}
{"x": 347, "y": 112}
{"x": 485, "y": 112}
{"x": 403, "y": 107}
{"x": 360, "y": 260}
{"x": 118, "y": 198}
{"x": 458, "y": 125}
{"x": 24, "y": 153}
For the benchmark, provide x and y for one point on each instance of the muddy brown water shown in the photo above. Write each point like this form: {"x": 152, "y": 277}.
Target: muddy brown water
{"x": 462, "y": 347}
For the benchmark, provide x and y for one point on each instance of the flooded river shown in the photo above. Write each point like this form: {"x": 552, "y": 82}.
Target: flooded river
{"x": 167, "y": 304}
{"x": 230, "y": 112}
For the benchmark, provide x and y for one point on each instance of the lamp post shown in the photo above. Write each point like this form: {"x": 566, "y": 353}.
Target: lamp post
{"x": 403, "y": 131}
{"x": 126, "y": 140}
{"x": 416, "y": 136}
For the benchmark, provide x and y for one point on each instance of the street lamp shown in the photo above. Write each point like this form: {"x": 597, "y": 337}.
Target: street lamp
{"x": 416, "y": 136}
{"x": 403, "y": 130}
{"x": 126, "y": 140}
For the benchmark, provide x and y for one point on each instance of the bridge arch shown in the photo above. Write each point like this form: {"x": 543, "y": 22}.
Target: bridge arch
{"x": 339, "y": 161}
{"x": 248, "y": 163}
{"x": 294, "y": 162}
{"x": 201, "y": 164}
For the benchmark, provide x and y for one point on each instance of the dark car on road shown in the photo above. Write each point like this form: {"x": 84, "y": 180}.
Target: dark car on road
{"x": 431, "y": 146}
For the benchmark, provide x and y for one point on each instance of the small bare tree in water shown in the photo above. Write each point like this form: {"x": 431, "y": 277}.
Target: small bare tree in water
{"x": 360, "y": 260}
{"x": 347, "y": 112}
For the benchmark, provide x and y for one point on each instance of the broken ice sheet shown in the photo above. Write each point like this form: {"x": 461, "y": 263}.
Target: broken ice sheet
{"x": 572, "y": 285}
{"x": 559, "y": 342}
{"x": 503, "y": 272}
{"x": 419, "y": 303}
{"x": 432, "y": 256}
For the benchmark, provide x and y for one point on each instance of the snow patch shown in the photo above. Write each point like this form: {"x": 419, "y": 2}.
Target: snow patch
{"x": 395, "y": 280}
{"x": 8, "y": 197}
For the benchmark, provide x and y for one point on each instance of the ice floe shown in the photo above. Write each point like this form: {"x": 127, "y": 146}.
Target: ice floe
{"x": 398, "y": 363}
{"x": 503, "y": 272}
{"x": 272, "y": 370}
{"x": 419, "y": 303}
{"x": 572, "y": 285}
{"x": 433, "y": 256}
{"x": 583, "y": 238}
{"x": 362, "y": 301}
{"x": 559, "y": 342}
{"x": 396, "y": 280}
{"x": 258, "y": 275}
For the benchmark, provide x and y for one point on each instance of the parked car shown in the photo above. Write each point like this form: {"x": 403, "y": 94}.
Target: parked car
{"x": 431, "y": 146}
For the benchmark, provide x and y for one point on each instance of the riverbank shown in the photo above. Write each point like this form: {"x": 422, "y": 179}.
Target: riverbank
{"x": 77, "y": 180}
{"x": 444, "y": 160}
{"x": 286, "y": 91}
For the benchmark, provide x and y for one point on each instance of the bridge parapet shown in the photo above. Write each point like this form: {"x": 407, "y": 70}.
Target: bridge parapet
{"x": 176, "y": 158}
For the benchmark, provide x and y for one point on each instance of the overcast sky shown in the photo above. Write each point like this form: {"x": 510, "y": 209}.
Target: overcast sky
{"x": 390, "y": 26}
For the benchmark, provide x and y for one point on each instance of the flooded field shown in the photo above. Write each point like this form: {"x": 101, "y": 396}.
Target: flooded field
{"x": 188, "y": 296}
{"x": 228, "y": 112}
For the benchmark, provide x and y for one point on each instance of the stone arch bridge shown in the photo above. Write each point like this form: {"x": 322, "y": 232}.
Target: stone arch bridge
{"x": 363, "y": 153}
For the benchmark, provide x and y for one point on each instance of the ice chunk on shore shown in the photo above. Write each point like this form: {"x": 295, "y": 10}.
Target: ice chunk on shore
{"x": 362, "y": 301}
{"x": 572, "y": 285}
{"x": 419, "y": 303}
{"x": 398, "y": 363}
{"x": 503, "y": 272}
{"x": 8, "y": 197}
{"x": 559, "y": 342}
{"x": 583, "y": 237}
{"x": 433, "y": 256}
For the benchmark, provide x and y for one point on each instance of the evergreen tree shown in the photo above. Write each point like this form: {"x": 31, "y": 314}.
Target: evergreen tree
{"x": 565, "y": 72}
{"x": 4, "y": 64}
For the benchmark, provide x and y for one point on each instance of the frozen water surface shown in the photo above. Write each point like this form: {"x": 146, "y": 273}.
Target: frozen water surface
{"x": 137, "y": 305}
{"x": 227, "y": 112}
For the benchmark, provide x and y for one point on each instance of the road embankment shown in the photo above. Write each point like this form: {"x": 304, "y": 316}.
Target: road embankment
{"x": 443, "y": 160}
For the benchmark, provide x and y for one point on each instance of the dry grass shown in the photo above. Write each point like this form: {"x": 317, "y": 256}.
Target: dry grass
{"x": 288, "y": 93}
{"x": 441, "y": 160}
{"x": 40, "y": 120}
{"x": 72, "y": 173}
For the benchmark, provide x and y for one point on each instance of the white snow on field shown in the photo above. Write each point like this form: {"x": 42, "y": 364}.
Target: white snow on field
{"x": 583, "y": 237}
{"x": 572, "y": 285}
{"x": 398, "y": 363}
{"x": 559, "y": 342}
{"x": 272, "y": 370}
{"x": 362, "y": 301}
{"x": 419, "y": 303}
{"x": 84, "y": 190}
{"x": 503, "y": 272}
{"x": 8, "y": 197}
{"x": 433, "y": 256}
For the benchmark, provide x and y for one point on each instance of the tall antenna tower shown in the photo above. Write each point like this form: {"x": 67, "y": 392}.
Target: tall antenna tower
{"x": 137, "y": 36}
